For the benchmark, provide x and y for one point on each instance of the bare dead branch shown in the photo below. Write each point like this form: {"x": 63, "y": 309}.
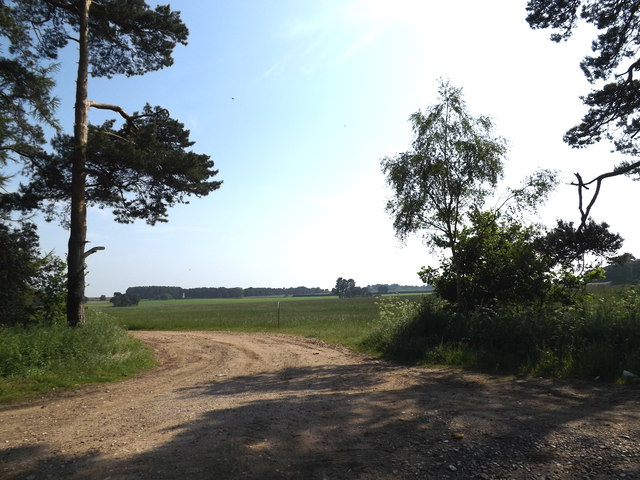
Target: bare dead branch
{"x": 92, "y": 251}
{"x": 584, "y": 213}
{"x": 118, "y": 109}
{"x": 128, "y": 118}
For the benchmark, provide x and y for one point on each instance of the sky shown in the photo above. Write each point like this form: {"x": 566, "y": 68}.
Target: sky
{"x": 298, "y": 101}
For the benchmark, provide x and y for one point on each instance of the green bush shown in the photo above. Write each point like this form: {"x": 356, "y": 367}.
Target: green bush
{"x": 33, "y": 285}
{"x": 125, "y": 300}
{"x": 499, "y": 261}
{"x": 595, "y": 337}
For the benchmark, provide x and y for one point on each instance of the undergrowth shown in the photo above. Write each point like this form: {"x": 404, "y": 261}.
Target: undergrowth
{"x": 596, "y": 337}
{"x": 40, "y": 358}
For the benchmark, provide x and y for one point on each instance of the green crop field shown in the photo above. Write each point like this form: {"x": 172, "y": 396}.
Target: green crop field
{"x": 345, "y": 321}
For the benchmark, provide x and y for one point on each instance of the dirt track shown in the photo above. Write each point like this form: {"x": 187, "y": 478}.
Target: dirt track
{"x": 226, "y": 405}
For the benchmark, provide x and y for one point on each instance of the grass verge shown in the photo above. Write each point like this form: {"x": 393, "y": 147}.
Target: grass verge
{"x": 38, "y": 359}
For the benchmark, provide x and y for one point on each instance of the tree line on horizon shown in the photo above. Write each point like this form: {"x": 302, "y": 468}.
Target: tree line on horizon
{"x": 625, "y": 274}
{"x": 169, "y": 292}
{"x": 158, "y": 292}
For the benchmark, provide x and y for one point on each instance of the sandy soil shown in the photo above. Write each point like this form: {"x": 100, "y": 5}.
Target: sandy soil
{"x": 227, "y": 405}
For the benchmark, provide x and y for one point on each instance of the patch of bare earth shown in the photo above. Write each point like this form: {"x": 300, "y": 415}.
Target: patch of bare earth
{"x": 227, "y": 405}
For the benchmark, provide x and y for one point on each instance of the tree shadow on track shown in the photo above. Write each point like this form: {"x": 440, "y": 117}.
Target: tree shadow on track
{"x": 337, "y": 422}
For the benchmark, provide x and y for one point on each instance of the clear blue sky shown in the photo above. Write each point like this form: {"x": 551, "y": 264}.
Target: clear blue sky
{"x": 297, "y": 102}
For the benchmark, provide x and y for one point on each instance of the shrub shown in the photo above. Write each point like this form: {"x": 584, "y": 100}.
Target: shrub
{"x": 595, "y": 337}
{"x": 399, "y": 332}
{"x": 125, "y": 300}
{"x": 32, "y": 285}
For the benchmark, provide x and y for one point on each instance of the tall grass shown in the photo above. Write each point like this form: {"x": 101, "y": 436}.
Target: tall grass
{"x": 597, "y": 337}
{"x": 39, "y": 358}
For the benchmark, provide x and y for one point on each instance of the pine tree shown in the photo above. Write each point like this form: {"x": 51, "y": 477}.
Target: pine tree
{"x": 614, "y": 105}
{"x": 145, "y": 166}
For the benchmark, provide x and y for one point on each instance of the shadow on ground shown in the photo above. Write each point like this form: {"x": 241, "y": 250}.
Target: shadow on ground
{"x": 334, "y": 423}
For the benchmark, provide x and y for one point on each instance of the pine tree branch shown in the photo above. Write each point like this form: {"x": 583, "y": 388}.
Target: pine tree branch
{"x": 29, "y": 153}
{"x": 111, "y": 134}
{"x": 67, "y": 6}
{"x": 629, "y": 72}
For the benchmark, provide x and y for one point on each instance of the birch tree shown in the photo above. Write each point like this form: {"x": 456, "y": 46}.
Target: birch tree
{"x": 454, "y": 163}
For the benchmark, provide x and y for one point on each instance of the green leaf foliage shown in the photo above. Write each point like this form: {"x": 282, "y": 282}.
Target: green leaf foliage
{"x": 454, "y": 163}
{"x": 139, "y": 170}
{"x": 614, "y": 107}
{"x": 18, "y": 265}
{"x": 124, "y": 300}
{"x": 346, "y": 288}
{"x": 533, "y": 191}
{"x": 595, "y": 336}
{"x": 500, "y": 262}
{"x": 40, "y": 358}
{"x": 129, "y": 38}
{"x": 126, "y": 36}
{"x": 569, "y": 246}
{"x": 33, "y": 285}
{"x": 26, "y": 100}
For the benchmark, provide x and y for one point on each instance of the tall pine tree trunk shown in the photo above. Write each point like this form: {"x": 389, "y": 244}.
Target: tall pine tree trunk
{"x": 78, "y": 226}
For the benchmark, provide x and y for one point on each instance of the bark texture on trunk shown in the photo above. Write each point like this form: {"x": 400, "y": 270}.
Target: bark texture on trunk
{"x": 78, "y": 223}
